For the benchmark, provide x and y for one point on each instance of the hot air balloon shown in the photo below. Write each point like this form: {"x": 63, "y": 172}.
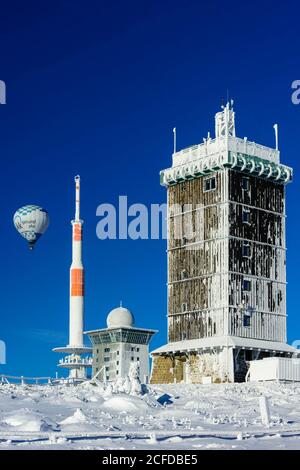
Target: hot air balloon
{"x": 31, "y": 222}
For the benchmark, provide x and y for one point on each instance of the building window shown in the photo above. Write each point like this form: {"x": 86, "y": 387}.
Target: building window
{"x": 246, "y": 285}
{"x": 107, "y": 377}
{"x": 97, "y": 360}
{"x": 245, "y": 183}
{"x": 106, "y": 349}
{"x": 210, "y": 184}
{"x": 97, "y": 368}
{"x": 107, "y": 369}
{"x": 247, "y": 320}
{"x": 118, "y": 352}
{"x": 246, "y": 250}
{"x": 106, "y": 359}
{"x": 184, "y": 241}
{"x": 184, "y": 274}
{"x": 117, "y": 372}
{"x": 137, "y": 349}
{"x": 117, "y": 363}
{"x": 132, "y": 358}
{"x": 246, "y": 216}
{"x": 97, "y": 351}
{"x": 184, "y": 307}
{"x": 132, "y": 349}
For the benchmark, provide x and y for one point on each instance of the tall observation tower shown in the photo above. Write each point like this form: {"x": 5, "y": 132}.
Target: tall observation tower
{"x": 226, "y": 258}
{"x": 75, "y": 360}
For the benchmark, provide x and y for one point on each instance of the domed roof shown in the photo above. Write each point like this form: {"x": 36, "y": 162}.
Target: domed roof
{"x": 118, "y": 317}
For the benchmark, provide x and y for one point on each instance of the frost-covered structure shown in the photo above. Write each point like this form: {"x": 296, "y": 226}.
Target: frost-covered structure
{"x": 226, "y": 258}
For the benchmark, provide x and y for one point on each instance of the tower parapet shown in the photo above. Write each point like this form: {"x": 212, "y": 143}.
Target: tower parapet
{"x": 226, "y": 151}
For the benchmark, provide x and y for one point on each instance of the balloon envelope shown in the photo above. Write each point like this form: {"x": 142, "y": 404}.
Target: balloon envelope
{"x": 31, "y": 222}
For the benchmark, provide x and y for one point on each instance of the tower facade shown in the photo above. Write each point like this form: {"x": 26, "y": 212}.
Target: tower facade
{"x": 226, "y": 258}
{"x": 75, "y": 361}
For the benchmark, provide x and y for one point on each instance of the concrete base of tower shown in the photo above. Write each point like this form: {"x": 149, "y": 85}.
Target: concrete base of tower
{"x": 211, "y": 360}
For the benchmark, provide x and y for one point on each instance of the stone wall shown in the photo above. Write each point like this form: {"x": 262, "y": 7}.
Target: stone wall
{"x": 161, "y": 370}
{"x": 191, "y": 367}
{"x": 208, "y": 364}
{"x": 167, "y": 369}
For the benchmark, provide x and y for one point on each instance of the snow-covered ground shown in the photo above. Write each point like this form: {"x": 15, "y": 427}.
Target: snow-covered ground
{"x": 189, "y": 417}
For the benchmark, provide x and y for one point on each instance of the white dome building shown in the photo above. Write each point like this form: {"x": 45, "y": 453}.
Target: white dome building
{"x": 119, "y": 317}
{"x": 119, "y": 345}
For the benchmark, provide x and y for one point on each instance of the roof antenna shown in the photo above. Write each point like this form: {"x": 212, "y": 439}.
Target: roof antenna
{"x": 174, "y": 133}
{"x": 276, "y": 135}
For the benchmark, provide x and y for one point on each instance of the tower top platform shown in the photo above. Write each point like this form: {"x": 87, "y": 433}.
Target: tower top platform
{"x": 226, "y": 150}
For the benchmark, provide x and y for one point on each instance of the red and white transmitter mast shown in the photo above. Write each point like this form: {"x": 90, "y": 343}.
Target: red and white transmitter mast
{"x": 75, "y": 361}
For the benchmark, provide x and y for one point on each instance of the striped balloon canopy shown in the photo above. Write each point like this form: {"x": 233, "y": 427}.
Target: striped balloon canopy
{"x": 31, "y": 222}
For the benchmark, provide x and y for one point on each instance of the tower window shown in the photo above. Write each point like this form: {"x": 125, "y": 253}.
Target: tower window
{"x": 184, "y": 274}
{"x": 106, "y": 349}
{"x": 137, "y": 358}
{"x": 118, "y": 352}
{"x": 118, "y": 363}
{"x": 184, "y": 241}
{"x": 246, "y": 216}
{"x": 247, "y": 320}
{"x": 246, "y": 285}
{"x": 184, "y": 307}
{"x": 137, "y": 349}
{"x": 209, "y": 184}
{"x": 106, "y": 359}
{"x": 245, "y": 183}
{"x": 246, "y": 250}
{"x": 107, "y": 369}
{"x": 132, "y": 358}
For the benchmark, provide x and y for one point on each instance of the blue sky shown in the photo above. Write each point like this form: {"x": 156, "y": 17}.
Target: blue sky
{"x": 96, "y": 88}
